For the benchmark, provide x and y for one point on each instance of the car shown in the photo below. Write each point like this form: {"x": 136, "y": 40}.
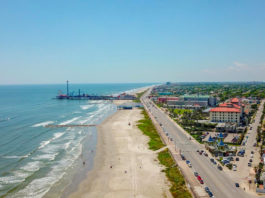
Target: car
{"x": 198, "y": 151}
{"x": 234, "y": 168}
{"x": 237, "y": 185}
{"x": 212, "y": 160}
{"x": 252, "y": 152}
{"x": 196, "y": 174}
{"x": 207, "y": 189}
{"x": 183, "y": 157}
{"x": 250, "y": 160}
{"x": 249, "y": 164}
{"x": 201, "y": 181}
{"x": 187, "y": 161}
{"x": 220, "y": 167}
{"x": 205, "y": 154}
{"x": 199, "y": 177}
{"x": 225, "y": 162}
{"x": 237, "y": 159}
{"x": 190, "y": 165}
{"x": 251, "y": 155}
{"x": 210, "y": 194}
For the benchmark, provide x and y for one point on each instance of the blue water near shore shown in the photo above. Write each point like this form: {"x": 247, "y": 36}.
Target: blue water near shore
{"x": 34, "y": 158}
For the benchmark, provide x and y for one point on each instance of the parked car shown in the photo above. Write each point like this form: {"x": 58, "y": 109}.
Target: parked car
{"x": 220, "y": 167}
{"x": 201, "y": 181}
{"x": 234, "y": 168}
{"x": 250, "y": 160}
{"x": 237, "y": 159}
{"x": 196, "y": 174}
{"x": 249, "y": 164}
{"x": 190, "y": 165}
{"x": 210, "y": 194}
{"x": 207, "y": 189}
{"x": 187, "y": 161}
{"x": 199, "y": 177}
{"x": 183, "y": 157}
{"x": 225, "y": 162}
{"x": 237, "y": 185}
{"x": 205, "y": 154}
{"x": 252, "y": 152}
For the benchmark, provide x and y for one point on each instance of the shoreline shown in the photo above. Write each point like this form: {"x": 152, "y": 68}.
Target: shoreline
{"x": 123, "y": 165}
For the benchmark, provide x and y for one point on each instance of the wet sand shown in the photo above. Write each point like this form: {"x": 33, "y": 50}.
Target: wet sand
{"x": 124, "y": 167}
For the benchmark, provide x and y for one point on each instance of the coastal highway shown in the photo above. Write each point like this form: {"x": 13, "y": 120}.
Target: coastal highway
{"x": 218, "y": 181}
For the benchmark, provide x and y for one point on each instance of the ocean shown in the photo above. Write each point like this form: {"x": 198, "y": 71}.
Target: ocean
{"x": 36, "y": 161}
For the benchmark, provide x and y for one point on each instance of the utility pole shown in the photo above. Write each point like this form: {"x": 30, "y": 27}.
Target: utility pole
{"x": 67, "y": 87}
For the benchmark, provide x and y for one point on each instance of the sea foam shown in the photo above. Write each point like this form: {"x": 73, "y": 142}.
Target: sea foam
{"x": 43, "y": 124}
{"x": 70, "y": 121}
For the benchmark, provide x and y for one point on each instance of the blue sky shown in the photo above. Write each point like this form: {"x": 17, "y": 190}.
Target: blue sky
{"x": 131, "y": 41}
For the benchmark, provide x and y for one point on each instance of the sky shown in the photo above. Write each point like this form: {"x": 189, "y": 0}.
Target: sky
{"x": 47, "y": 42}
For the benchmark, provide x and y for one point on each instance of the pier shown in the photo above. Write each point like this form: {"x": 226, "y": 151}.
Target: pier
{"x": 84, "y": 96}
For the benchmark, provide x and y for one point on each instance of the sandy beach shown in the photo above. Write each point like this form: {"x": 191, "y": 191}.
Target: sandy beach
{"x": 124, "y": 166}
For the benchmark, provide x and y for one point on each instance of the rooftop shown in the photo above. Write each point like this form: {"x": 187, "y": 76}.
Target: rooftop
{"x": 235, "y": 100}
{"x": 225, "y": 109}
{"x": 195, "y": 96}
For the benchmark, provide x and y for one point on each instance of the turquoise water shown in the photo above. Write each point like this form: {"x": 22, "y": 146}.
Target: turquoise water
{"x": 34, "y": 158}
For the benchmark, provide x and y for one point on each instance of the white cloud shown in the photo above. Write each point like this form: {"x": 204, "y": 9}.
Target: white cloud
{"x": 237, "y": 71}
{"x": 237, "y": 66}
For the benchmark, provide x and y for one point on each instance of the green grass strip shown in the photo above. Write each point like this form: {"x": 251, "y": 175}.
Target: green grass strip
{"x": 178, "y": 187}
{"x": 147, "y": 127}
{"x": 138, "y": 96}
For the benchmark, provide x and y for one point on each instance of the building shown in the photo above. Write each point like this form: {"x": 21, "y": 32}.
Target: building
{"x": 225, "y": 114}
{"x": 194, "y": 100}
{"x": 226, "y": 127}
{"x": 167, "y": 99}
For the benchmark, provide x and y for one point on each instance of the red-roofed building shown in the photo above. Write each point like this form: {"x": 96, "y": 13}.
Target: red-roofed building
{"x": 235, "y": 101}
{"x": 166, "y": 99}
{"x": 225, "y": 114}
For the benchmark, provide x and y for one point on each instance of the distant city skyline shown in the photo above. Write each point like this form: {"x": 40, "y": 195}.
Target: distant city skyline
{"x": 49, "y": 42}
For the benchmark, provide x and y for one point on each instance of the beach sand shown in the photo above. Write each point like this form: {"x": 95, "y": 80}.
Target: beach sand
{"x": 124, "y": 167}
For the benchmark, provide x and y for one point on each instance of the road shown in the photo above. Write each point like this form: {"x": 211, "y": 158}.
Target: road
{"x": 245, "y": 173}
{"x": 220, "y": 184}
